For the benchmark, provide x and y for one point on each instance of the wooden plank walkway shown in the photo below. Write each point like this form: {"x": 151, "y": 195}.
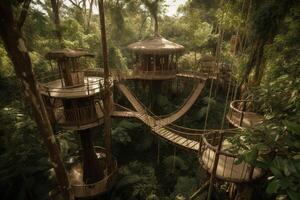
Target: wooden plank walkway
{"x": 174, "y": 116}
{"x": 161, "y": 131}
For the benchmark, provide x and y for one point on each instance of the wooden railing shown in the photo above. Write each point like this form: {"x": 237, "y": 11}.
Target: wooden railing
{"x": 93, "y": 83}
{"x": 240, "y": 117}
{"x": 78, "y": 116}
{"x": 223, "y": 163}
{"x": 100, "y": 187}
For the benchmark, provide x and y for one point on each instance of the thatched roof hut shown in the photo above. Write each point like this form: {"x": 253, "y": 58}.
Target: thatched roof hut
{"x": 155, "y": 45}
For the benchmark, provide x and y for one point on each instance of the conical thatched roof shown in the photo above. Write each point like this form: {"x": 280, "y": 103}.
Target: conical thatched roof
{"x": 66, "y": 53}
{"x": 155, "y": 45}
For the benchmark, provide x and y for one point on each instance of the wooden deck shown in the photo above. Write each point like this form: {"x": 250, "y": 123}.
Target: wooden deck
{"x": 56, "y": 89}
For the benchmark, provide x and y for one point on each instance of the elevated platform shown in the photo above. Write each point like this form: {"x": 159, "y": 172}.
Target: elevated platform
{"x": 82, "y": 190}
{"x": 243, "y": 119}
{"x": 88, "y": 83}
{"x": 226, "y": 169}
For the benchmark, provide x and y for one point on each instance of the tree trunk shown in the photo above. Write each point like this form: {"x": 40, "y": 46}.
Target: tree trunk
{"x": 92, "y": 169}
{"x": 89, "y": 16}
{"x": 107, "y": 92}
{"x": 24, "y": 13}
{"x": 15, "y": 47}
{"x": 156, "y": 33}
{"x": 56, "y": 19}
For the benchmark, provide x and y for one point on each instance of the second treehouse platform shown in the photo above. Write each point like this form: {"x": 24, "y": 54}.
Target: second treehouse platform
{"x": 156, "y": 58}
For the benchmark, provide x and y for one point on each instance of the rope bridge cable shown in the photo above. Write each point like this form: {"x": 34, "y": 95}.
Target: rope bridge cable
{"x": 184, "y": 139}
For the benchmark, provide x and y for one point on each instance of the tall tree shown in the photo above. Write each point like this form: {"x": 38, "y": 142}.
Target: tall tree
{"x": 267, "y": 19}
{"x": 107, "y": 92}
{"x": 55, "y": 4}
{"x": 17, "y": 51}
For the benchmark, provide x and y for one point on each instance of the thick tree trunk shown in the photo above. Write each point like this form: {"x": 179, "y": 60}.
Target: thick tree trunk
{"x": 107, "y": 95}
{"x": 92, "y": 170}
{"x": 56, "y": 19}
{"x": 15, "y": 47}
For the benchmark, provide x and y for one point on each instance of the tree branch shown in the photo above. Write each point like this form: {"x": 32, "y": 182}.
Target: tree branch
{"x": 24, "y": 13}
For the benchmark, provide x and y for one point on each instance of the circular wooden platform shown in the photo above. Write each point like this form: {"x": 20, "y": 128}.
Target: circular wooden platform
{"x": 82, "y": 190}
{"x": 228, "y": 168}
{"x": 92, "y": 85}
{"x": 239, "y": 118}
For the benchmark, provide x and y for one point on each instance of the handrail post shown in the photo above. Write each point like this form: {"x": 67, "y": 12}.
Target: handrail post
{"x": 88, "y": 88}
{"x": 242, "y": 115}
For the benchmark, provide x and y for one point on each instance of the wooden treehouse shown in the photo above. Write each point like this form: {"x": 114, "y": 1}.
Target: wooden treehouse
{"x": 207, "y": 65}
{"x": 74, "y": 101}
{"x": 156, "y": 58}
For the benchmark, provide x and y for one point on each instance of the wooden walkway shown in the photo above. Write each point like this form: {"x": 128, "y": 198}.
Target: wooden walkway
{"x": 173, "y": 116}
{"x": 161, "y": 131}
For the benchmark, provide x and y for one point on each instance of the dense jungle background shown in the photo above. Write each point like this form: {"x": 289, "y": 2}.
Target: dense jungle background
{"x": 265, "y": 64}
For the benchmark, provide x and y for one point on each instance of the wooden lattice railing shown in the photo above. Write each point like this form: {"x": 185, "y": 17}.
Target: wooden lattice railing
{"x": 77, "y": 116}
{"x": 239, "y": 116}
{"x": 87, "y": 190}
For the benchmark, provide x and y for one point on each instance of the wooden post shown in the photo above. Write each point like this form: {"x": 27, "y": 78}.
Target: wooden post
{"x": 215, "y": 165}
{"x": 242, "y": 115}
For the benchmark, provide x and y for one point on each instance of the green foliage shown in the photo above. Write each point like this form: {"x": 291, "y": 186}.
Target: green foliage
{"x": 24, "y": 168}
{"x": 121, "y": 133}
{"x": 138, "y": 182}
{"x": 185, "y": 186}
